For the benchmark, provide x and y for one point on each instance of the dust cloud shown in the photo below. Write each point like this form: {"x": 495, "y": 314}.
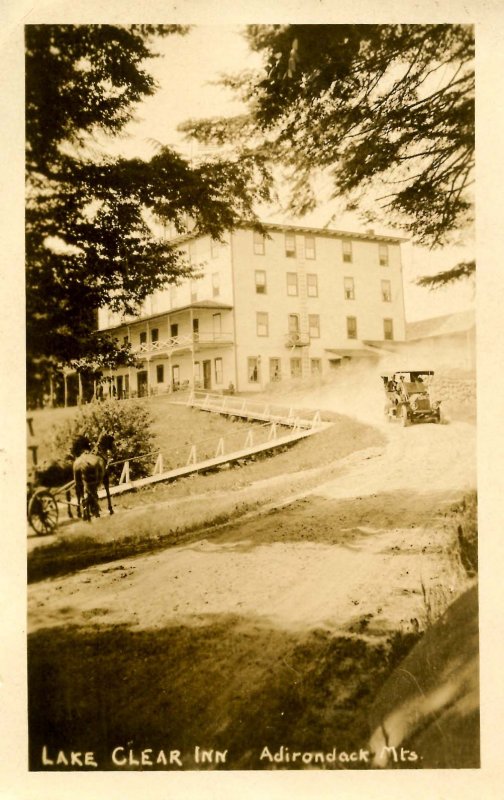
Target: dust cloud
{"x": 356, "y": 389}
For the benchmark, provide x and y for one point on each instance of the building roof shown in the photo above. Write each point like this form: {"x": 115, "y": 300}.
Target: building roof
{"x": 331, "y": 233}
{"x": 211, "y": 304}
{"x": 460, "y": 322}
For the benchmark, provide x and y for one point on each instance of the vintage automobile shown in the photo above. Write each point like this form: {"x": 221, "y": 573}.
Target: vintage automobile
{"x": 408, "y": 397}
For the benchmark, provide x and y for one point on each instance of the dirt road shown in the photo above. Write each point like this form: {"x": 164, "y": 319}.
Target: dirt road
{"x": 344, "y": 552}
{"x": 273, "y": 630}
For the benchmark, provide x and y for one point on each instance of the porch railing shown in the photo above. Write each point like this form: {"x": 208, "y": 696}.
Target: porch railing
{"x": 181, "y": 342}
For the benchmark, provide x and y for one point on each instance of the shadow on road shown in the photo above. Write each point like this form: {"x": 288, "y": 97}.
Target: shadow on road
{"x": 231, "y": 684}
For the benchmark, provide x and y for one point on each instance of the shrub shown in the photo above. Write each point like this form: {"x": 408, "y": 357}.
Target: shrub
{"x": 128, "y": 421}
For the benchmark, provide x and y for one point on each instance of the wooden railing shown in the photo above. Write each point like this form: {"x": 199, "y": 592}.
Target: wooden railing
{"x": 209, "y": 453}
{"x": 174, "y": 343}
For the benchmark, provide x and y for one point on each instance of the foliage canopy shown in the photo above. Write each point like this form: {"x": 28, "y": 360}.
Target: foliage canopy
{"x": 90, "y": 239}
{"x": 385, "y": 111}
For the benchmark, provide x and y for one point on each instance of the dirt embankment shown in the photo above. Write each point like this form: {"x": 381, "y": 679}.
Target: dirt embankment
{"x": 274, "y": 631}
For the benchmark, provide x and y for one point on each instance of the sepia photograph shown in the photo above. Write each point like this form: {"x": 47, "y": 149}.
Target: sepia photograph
{"x": 251, "y": 463}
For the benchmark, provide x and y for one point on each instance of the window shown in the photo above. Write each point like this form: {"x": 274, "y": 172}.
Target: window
{"x": 191, "y": 251}
{"x": 275, "y": 369}
{"x": 388, "y": 329}
{"x": 216, "y": 324}
{"x": 125, "y": 340}
{"x": 194, "y": 292}
{"x": 290, "y": 245}
{"x": 292, "y": 284}
{"x": 214, "y": 248}
{"x": 218, "y": 370}
{"x": 143, "y": 337}
{"x": 258, "y": 244}
{"x": 215, "y": 284}
{"x": 295, "y": 368}
{"x": 262, "y": 323}
{"x": 174, "y": 330}
{"x": 349, "y": 288}
{"x": 383, "y": 255}
{"x": 293, "y": 323}
{"x": 160, "y": 373}
{"x": 312, "y": 285}
{"x": 176, "y": 375}
{"x": 351, "y": 325}
{"x": 260, "y": 281}
{"x": 195, "y": 329}
{"x": 309, "y": 247}
{"x": 197, "y": 372}
{"x": 314, "y": 326}
{"x": 347, "y": 252}
{"x": 253, "y": 369}
{"x": 316, "y": 366}
{"x": 154, "y": 335}
{"x": 386, "y": 291}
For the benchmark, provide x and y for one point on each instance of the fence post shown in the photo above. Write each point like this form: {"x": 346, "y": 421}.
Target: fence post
{"x": 125, "y": 476}
{"x": 192, "y": 456}
{"x": 220, "y": 448}
{"x": 158, "y": 467}
{"x": 273, "y": 431}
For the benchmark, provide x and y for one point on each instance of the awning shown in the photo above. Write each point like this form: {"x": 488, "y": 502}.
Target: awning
{"x": 337, "y": 354}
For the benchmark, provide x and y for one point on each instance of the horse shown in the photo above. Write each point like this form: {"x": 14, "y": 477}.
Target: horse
{"x": 90, "y": 470}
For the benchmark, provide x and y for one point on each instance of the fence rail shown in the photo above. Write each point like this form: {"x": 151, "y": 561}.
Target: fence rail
{"x": 253, "y": 409}
{"x": 277, "y": 430}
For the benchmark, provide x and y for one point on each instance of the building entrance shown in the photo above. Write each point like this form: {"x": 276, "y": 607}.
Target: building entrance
{"x": 207, "y": 374}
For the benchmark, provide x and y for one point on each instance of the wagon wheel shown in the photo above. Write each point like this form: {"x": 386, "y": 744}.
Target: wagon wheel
{"x": 42, "y": 512}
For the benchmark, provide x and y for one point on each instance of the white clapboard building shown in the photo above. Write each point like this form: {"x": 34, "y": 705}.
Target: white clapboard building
{"x": 287, "y": 304}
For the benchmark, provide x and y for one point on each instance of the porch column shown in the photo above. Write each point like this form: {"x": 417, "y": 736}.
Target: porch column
{"x": 192, "y": 347}
{"x": 147, "y": 360}
{"x": 51, "y": 390}
{"x": 170, "y": 348}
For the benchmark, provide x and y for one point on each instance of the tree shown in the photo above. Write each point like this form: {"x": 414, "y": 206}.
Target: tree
{"x": 90, "y": 241}
{"x": 464, "y": 269}
{"x": 385, "y": 111}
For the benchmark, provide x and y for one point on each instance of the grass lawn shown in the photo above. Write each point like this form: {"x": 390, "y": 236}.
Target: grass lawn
{"x": 177, "y": 427}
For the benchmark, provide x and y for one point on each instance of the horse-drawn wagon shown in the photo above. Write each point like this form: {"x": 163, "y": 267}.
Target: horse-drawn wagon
{"x": 89, "y": 470}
